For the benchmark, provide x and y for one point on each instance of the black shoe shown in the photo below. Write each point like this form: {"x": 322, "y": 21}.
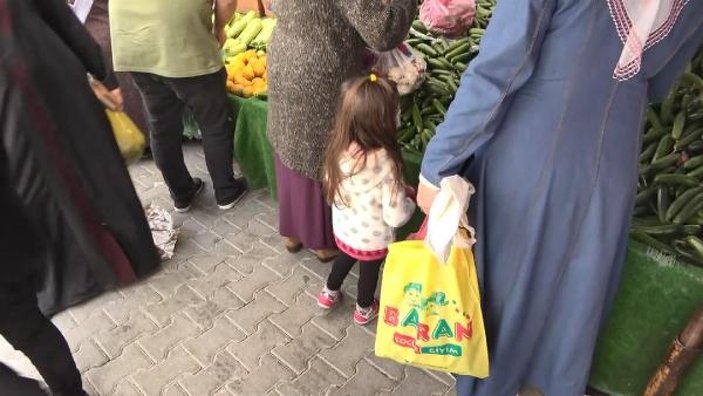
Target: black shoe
{"x": 183, "y": 206}
{"x": 240, "y": 192}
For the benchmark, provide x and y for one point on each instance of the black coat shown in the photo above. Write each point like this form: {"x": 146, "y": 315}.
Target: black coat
{"x": 62, "y": 158}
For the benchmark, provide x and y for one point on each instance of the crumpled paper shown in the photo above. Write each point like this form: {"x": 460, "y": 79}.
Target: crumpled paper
{"x": 163, "y": 232}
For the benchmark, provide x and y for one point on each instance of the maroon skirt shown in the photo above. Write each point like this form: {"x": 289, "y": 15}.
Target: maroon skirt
{"x": 304, "y": 214}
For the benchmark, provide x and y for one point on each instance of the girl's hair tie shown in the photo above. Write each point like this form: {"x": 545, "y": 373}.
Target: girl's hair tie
{"x": 373, "y": 78}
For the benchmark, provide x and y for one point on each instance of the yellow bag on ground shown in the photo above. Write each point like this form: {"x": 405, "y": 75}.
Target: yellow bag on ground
{"x": 129, "y": 138}
{"x": 431, "y": 311}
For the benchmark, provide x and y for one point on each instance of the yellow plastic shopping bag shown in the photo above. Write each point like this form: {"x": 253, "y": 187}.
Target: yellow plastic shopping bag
{"x": 431, "y": 310}
{"x": 129, "y": 138}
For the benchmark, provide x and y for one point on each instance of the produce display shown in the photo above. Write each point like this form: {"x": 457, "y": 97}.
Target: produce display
{"x": 446, "y": 60}
{"x": 669, "y": 204}
{"x": 245, "y": 54}
{"x": 247, "y": 75}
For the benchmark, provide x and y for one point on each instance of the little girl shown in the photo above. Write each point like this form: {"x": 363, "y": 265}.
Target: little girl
{"x": 364, "y": 186}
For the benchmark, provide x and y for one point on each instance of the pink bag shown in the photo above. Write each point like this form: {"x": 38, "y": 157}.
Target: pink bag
{"x": 448, "y": 17}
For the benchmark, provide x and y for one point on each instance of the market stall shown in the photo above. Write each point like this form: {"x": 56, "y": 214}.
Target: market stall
{"x": 663, "y": 280}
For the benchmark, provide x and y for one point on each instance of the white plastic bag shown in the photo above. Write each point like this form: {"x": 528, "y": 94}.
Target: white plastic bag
{"x": 402, "y": 66}
{"x": 447, "y": 214}
{"x": 449, "y": 18}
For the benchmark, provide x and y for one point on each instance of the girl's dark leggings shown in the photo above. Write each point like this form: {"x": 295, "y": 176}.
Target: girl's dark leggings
{"x": 368, "y": 277}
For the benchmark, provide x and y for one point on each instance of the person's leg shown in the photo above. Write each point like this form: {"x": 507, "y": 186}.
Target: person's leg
{"x": 342, "y": 265}
{"x": 206, "y": 97}
{"x": 14, "y": 385}
{"x": 28, "y": 331}
{"x": 165, "y": 113}
{"x": 368, "y": 281}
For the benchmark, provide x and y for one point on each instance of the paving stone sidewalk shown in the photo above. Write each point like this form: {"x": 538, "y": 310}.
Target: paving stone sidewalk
{"x": 231, "y": 314}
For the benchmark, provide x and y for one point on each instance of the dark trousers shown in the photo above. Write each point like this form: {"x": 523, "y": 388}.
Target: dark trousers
{"x": 206, "y": 97}
{"x": 368, "y": 277}
{"x": 28, "y": 331}
{"x": 14, "y": 385}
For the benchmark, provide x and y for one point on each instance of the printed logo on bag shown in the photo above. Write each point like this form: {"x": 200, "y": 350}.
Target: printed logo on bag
{"x": 427, "y": 319}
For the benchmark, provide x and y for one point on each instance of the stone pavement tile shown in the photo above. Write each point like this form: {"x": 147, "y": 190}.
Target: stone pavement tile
{"x": 262, "y": 379}
{"x": 246, "y": 211}
{"x": 445, "y": 378}
{"x": 284, "y": 264}
{"x": 292, "y": 319}
{"x": 175, "y": 390}
{"x": 250, "y": 284}
{"x": 269, "y": 219}
{"x": 249, "y": 316}
{"x": 105, "y": 378}
{"x": 246, "y": 263}
{"x": 153, "y": 380}
{"x": 250, "y": 236}
{"x": 418, "y": 382}
{"x": 206, "y": 263}
{"x": 167, "y": 283}
{"x": 222, "y": 392}
{"x": 205, "y": 346}
{"x": 451, "y": 391}
{"x": 136, "y": 296}
{"x": 163, "y": 311}
{"x": 317, "y": 380}
{"x": 159, "y": 344}
{"x": 295, "y": 285}
{"x": 346, "y": 354}
{"x": 89, "y": 356}
{"x": 368, "y": 381}
{"x": 336, "y": 321}
{"x": 226, "y": 249}
{"x": 391, "y": 369}
{"x": 201, "y": 235}
{"x": 222, "y": 301}
{"x": 64, "y": 321}
{"x": 250, "y": 351}
{"x": 89, "y": 388}
{"x": 312, "y": 264}
{"x": 185, "y": 249}
{"x": 297, "y": 353}
{"x": 224, "y": 229}
{"x": 84, "y": 311}
{"x": 98, "y": 322}
{"x": 114, "y": 340}
{"x": 225, "y": 369}
{"x": 127, "y": 388}
{"x": 221, "y": 276}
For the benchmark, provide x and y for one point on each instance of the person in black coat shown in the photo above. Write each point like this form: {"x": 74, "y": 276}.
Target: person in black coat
{"x": 62, "y": 157}
{"x": 21, "y": 323}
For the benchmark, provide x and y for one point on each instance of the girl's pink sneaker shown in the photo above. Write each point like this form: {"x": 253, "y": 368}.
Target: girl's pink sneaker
{"x": 364, "y": 316}
{"x": 328, "y": 298}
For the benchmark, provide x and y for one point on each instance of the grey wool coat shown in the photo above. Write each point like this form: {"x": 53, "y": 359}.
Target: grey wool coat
{"x": 316, "y": 46}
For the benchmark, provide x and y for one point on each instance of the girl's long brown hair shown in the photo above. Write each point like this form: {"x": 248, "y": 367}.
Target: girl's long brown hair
{"x": 366, "y": 115}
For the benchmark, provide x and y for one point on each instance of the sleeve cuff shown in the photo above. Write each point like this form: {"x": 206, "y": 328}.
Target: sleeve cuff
{"x": 427, "y": 183}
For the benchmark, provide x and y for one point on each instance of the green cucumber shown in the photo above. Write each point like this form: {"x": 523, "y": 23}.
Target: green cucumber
{"x": 689, "y": 210}
{"x": 683, "y": 200}
{"x": 676, "y": 179}
{"x": 679, "y": 124}
{"x": 665, "y": 147}
{"x": 693, "y": 162}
